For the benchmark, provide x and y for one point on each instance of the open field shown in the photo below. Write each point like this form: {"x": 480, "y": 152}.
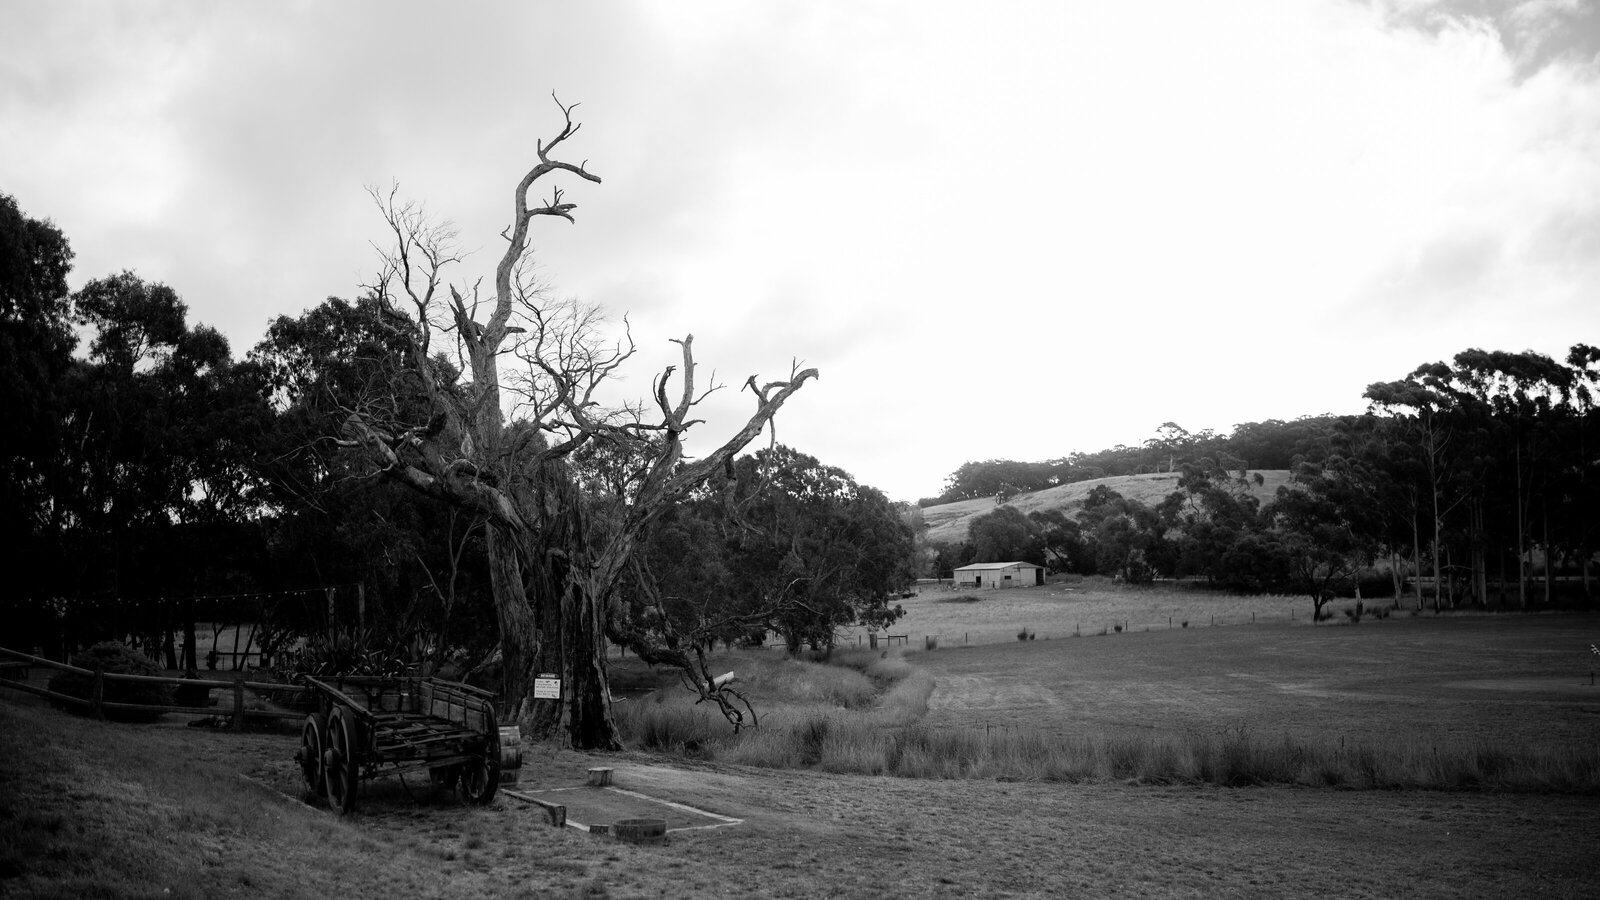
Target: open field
{"x": 99, "y": 809}
{"x": 1432, "y": 681}
{"x": 90, "y": 809}
{"x": 1086, "y": 606}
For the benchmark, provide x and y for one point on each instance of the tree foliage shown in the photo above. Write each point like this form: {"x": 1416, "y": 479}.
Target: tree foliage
{"x": 1475, "y": 477}
{"x": 786, "y": 545}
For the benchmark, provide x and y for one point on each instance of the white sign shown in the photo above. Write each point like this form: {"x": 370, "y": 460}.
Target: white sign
{"x": 547, "y": 687}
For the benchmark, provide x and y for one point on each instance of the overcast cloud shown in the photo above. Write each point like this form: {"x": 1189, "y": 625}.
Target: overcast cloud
{"x": 1082, "y": 219}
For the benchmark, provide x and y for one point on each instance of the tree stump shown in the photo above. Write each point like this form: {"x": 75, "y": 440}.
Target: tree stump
{"x": 599, "y": 777}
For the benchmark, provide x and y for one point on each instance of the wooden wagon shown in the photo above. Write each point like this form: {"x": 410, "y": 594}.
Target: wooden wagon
{"x": 368, "y": 727}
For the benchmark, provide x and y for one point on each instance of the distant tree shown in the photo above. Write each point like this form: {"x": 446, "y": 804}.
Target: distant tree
{"x": 1062, "y": 541}
{"x": 1429, "y": 409}
{"x": 1576, "y": 481}
{"x": 1001, "y": 478}
{"x": 949, "y": 557}
{"x": 1525, "y": 395}
{"x": 36, "y": 344}
{"x": 787, "y": 545}
{"x": 1005, "y": 535}
{"x": 1319, "y": 538}
{"x": 1128, "y": 537}
{"x": 1276, "y": 444}
{"x": 1210, "y": 515}
{"x": 162, "y": 431}
{"x": 1171, "y": 440}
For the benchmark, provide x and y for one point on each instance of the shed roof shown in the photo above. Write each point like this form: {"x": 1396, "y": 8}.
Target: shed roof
{"x": 999, "y": 565}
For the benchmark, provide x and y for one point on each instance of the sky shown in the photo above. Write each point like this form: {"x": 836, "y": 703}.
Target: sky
{"x": 999, "y": 230}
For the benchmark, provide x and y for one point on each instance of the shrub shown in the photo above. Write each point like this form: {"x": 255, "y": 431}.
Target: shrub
{"x": 348, "y": 651}
{"x": 115, "y": 658}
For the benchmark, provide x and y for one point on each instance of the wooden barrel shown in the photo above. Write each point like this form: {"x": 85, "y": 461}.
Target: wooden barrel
{"x": 640, "y": 831}
{"x": 510, "y": 754}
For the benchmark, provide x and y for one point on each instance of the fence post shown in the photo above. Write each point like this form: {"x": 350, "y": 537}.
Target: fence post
{"x": 238, "y": 704}
{"x": 97, "y": 696}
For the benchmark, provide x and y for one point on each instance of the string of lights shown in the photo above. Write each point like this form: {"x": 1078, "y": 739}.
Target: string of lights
{"x": 200, "y": 598}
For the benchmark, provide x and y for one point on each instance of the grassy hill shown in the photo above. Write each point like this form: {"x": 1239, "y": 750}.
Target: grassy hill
{"x": 947, "y": 523}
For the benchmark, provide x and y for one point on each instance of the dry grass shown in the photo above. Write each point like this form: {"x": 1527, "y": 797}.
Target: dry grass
{"x": 1075, "y": 767}
{"x": 1117, "y": 723}
{"x": 92, "y": 809}
{"x": 169, "y": 812}
{"x": 947, "y": 523}
{"x": 1082, "y": 607}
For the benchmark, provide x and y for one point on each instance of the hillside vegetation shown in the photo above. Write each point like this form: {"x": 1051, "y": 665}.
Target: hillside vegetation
{"x": 947, "y": 523}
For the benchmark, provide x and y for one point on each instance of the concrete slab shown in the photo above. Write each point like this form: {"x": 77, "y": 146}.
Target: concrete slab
{"x": 590, "y": 806}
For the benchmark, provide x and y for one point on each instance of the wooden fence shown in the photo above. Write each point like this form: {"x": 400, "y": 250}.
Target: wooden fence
{"x": 13, "y": 661}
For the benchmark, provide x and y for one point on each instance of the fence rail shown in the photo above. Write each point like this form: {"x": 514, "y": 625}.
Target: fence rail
{"x": 13, "y": 660}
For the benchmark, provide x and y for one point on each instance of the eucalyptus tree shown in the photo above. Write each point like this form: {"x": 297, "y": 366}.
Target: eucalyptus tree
{"x": 781, "y": 543}
{"x": 162, "y": 428}
{"x": 1429, "y": 410}
{"x": 36, "y": 344}
{"x": 1578, "y": 482}
{"x": 1523, "y": 394}
{"x": 1211, "y": 515}
{"x": 1321, "y": 544}
{"x": 525, "y": 360}
{"x": 1005, "y": 534}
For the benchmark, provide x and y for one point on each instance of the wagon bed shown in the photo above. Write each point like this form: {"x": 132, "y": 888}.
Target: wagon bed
{"x": 368, "y": 727}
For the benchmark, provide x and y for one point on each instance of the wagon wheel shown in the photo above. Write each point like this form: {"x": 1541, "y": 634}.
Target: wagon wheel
{"x": 313, "y": 740}
{"x": 480, "y": 778}
{"x": 339, "y": 761}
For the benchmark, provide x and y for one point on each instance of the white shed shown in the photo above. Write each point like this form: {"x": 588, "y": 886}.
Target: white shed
{"x": 999, "y": 575}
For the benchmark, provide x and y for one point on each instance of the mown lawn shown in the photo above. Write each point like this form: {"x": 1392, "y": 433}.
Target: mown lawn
{"x": 1505, "y": 680}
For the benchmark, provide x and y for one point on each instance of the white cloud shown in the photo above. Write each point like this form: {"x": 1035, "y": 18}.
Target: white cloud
{"x": 1098, "y": 217}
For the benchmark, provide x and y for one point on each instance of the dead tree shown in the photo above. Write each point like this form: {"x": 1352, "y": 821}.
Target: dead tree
{"x": 552, "y": 569}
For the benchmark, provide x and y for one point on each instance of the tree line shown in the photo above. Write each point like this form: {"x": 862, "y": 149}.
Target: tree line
{"x": 1272, "y": 444}
{"x": 1477, "y": 477}
{"x": 447, "y": 443}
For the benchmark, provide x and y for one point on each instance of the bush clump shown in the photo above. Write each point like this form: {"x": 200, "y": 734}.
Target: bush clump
{"x": 115, "y": 658}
